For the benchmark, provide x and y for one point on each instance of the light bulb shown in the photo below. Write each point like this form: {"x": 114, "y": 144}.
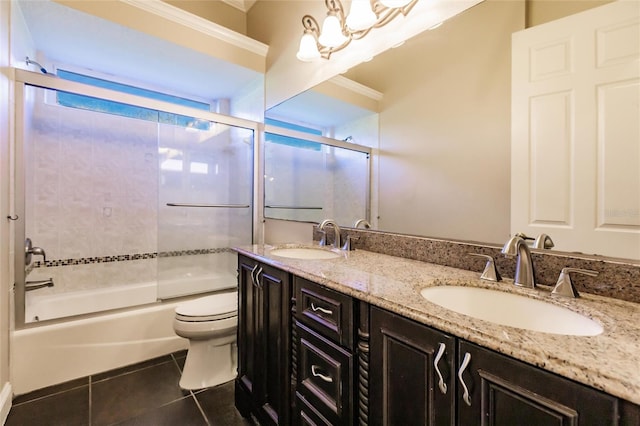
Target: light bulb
{"x": 331, "y": 35}
{"x": 308, "y": 50}
{"x": 395, "y": 3}
{"x": 361, "y": 17}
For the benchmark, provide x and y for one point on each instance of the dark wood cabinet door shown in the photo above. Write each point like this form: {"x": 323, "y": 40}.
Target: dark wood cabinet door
{"x": 249, "y": 344}
{"x": 264, "y": 342}
{"x": 504, "y": 391}
{"x": 406, "y": 364}
{"x": 275, "y": 286}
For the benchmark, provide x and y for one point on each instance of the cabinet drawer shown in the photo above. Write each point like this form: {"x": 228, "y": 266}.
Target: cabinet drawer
{"x": 307, "y": 415}
{"x": 324, "y": 376}
{"x": 328, "y": 312}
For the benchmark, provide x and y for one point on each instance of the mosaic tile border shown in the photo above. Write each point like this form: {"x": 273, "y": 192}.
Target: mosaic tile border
{"x": 125, "y": 257}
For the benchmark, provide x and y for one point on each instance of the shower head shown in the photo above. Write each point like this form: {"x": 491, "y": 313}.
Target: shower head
{"x": 29, "y": 62}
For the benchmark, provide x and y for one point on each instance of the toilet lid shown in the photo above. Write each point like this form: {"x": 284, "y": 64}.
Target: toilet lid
{"x": 217, "y": 306}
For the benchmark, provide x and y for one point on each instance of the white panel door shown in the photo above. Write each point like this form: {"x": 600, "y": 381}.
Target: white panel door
{"x": 575, "y": 143}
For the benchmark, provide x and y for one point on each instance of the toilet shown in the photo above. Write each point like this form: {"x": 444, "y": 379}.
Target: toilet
{"x": 210, "y": 324}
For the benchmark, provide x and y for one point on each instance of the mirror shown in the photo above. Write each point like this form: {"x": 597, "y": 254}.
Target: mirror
{"x": 445, "y": 130}
{"x": 310, "y": 181}
{"x": 317, "y": 157}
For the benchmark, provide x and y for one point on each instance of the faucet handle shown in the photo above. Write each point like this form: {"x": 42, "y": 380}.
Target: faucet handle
{"x": 323, "y": 240}
{"x": 490, "y": 272}
{"x": 543, "y": 241}
{"x": 347, "y": 244}
{"x": 564, "y": 285}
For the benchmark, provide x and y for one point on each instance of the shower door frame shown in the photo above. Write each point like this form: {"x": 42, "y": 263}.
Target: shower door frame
{"x": 23, "y": 78}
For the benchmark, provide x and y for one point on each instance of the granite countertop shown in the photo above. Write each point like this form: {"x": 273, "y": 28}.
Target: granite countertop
{"x": 609, "y": 362}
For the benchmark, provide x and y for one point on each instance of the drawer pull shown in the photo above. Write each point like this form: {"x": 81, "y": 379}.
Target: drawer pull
{"x": 327, "y": 379}
{"x": 441, "y": 384}
{"x": 465, "y": 363}
{"x": 258, "y": 283}
{"x": 315, "y": 308}
{"x": 253, "y": 277}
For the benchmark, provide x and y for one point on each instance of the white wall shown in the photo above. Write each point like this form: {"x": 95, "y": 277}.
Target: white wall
{"x": 5, "y": 225}
{"x": 445, "y": 129}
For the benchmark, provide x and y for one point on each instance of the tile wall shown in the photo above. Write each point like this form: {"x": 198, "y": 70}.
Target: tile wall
{"x": 97, "y": 186}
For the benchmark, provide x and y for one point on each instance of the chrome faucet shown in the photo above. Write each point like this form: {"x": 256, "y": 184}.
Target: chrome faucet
{"x": 30, "y": 251}
{"x": 516, "y": 246}
{"x": 364, "y": 222}
{"x": 336, "y": 231}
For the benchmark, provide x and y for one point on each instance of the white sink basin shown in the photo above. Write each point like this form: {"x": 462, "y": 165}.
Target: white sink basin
{"x": 512, "y": 310}
{"x": 308, "y": 253}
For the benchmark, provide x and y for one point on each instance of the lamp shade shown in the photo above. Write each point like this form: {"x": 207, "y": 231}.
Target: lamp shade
{"x": 331, "y": 34}
{"x": 395, "y": 3}
{"x": 361, "y": 17}
{"x": 308, "y": 50}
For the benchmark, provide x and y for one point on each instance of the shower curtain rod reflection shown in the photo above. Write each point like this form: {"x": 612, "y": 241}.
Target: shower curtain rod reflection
{"x": 222, "y": 206}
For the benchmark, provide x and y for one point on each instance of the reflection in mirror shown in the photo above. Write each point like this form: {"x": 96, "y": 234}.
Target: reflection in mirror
{"x": 444, "y": 151}
{"x": 317, "y": 154}
{"x": 310, "y": 181}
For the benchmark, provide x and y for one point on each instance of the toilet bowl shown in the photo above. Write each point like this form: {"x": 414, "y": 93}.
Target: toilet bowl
{"x": 210, "y": 324}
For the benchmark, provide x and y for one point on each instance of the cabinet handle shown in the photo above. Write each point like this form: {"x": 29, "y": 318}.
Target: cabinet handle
{"x": 441, "y": 384}
{"x": 465, "y": 362}
{"x": 315, "y": 308}
{"x": 320, "y": 375}
{"x": 253, "y": 278}
{"x": 258, "y": 277}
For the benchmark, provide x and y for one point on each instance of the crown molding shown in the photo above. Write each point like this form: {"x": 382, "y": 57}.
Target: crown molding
{"x": 175, "y": 14}
{"x": 242, "y": 5}
{"x": 356, "y": 87}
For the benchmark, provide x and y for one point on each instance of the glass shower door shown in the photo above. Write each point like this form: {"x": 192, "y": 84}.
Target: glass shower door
{"x": 205, "y": 205}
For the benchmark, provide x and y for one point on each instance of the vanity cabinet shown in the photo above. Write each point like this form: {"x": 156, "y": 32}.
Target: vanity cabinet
{"x": 504, "y": 391}
{"x": 323, "y": 359}
{"x": 411, "y": 376}
{"x": 264, "y": 342}
{"x": 309, "y": 355}
{"x": 482, "y": 387}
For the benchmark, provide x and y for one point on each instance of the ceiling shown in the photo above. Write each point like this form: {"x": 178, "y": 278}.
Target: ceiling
{"x": 76, "y": 40}
{"x": 69, "y": 37}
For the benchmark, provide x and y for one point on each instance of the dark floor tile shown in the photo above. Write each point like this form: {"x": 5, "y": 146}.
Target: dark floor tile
{"x": 184, "y": 412}
{"x": 219, "y": 407}
{"x": 69, "y": 408}
{"x": 129, "y": 368}
{"x": 180, "y": 359}
{"x": 50, "y": 390}
{"x": 130, "y": 395}
{"x": 180, "y": 354}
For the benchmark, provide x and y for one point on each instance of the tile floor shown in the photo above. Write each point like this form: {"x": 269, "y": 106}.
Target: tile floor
{"x": 145, "y": 394}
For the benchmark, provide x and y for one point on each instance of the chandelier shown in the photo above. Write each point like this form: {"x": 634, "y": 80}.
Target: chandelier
{"x": 339, "y": 28}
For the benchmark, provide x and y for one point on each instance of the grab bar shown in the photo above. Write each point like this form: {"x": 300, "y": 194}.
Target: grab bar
{"x": 35, "y": 285}
{"x": 293, "y": 207}
{"x": 224, "y": 206}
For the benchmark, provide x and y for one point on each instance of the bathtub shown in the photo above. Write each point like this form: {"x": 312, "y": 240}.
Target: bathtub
{"x": 61, "y": 350}
{"x": 41, "y": 307}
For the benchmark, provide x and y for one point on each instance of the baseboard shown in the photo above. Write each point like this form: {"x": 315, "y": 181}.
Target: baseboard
{"x": 5, "y": 402}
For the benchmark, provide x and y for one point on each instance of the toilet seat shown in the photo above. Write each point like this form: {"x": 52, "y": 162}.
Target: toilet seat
{"x": 209, "y": 308}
